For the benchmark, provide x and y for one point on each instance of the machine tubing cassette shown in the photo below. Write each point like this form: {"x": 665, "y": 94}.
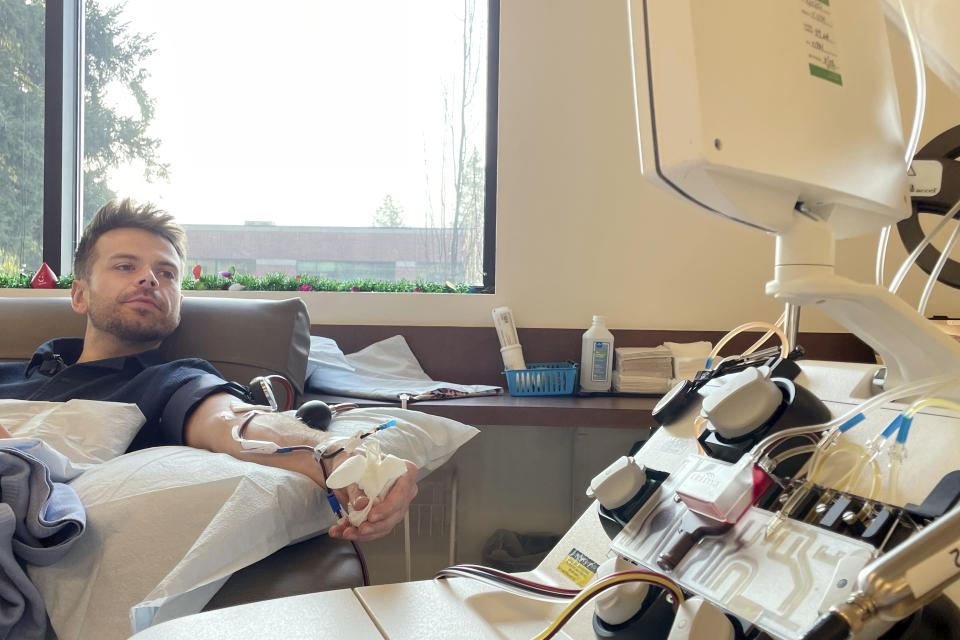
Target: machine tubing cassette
{"x": 775, "y": 583}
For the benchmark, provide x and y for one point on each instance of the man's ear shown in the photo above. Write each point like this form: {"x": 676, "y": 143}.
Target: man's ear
{"x": 78, "y": 295}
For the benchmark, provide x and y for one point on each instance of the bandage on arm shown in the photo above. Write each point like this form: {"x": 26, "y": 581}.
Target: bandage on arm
{"x": 210, "y": 426}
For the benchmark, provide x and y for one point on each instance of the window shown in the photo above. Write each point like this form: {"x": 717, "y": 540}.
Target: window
{"x": 354, "y": 140}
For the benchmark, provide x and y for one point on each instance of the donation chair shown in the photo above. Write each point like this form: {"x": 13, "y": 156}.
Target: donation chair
{"x": 242, "y": 338}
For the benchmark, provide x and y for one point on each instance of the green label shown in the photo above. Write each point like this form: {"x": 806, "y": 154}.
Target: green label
{"x": 826, "y": 2}
{"x": 826, "y": 74}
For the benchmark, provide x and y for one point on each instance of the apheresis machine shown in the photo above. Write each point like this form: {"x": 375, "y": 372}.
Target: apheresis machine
{"x": 784, "y": 499}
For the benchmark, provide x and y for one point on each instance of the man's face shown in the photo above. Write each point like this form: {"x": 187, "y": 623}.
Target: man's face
{"x": 133, "y": 289}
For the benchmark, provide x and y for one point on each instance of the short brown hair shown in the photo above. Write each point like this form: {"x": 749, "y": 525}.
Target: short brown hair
{"x": 126, "y": 214}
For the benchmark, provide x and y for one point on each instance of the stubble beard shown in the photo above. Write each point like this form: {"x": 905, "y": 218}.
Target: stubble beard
{"x": 141, "y": 328}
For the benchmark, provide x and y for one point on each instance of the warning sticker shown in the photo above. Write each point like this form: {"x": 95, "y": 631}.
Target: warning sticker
{"x": 925, "y": 178}
{"x": 578, "y": 568}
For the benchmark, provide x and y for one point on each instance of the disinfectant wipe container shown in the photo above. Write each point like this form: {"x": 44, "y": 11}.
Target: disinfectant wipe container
{"x": 596, "y": 358}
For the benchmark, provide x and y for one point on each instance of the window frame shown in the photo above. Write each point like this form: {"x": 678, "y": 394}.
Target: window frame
{"x": 63, "y": 129}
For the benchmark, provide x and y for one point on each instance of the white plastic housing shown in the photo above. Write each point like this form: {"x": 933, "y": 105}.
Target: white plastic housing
{"x": 744, "y": 402}
{"x": 698, "y": 619}
{"x": 618, "y": 604}
{"x": 619, "y": 482}
{"x": 747, "y": 108}
{"x": 718, "y": 489}
{"x": 911, "y": 347}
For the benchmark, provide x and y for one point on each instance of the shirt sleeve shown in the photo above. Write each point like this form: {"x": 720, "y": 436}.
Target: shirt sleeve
{"x": 178, "y": 388}
{"x": 184, "y": 401}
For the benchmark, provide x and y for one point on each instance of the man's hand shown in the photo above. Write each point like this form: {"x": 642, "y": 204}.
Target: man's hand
{"x": 383, "y": 516}
{"x": 209, "y": 427}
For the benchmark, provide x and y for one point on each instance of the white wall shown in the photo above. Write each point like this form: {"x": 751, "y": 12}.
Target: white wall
{"x": 578, "y": 231}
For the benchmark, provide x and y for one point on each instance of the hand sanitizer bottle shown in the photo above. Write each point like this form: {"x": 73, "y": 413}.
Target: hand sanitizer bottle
{"x": 596, "y": 358}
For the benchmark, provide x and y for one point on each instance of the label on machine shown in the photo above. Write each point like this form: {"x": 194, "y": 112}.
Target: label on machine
{"x": 578, "y": 567}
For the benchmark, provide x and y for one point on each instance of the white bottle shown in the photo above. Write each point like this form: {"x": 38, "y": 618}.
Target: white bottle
{"x": 596, "y": 357}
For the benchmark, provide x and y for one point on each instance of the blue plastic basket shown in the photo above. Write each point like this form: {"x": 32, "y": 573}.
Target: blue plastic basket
{"x": 543, "y": 379}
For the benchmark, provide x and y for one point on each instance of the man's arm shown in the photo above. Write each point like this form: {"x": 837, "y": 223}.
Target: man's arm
{"x": 209, "y": 427}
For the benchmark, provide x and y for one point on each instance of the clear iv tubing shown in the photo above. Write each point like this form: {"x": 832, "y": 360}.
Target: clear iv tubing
{"x": 914, "y": 140}
{"x": 921, "y": 79}
{"x": 849, "y": 480}
{"x": 863, "y": 458}
{"x": 896, "y": 458}
{"x": 882, "y": 254}
{"x": 771, "y": 329}
{"x": 910, "y": 259}
{"x": 766, "y": 336}
{"x": 849, "y": 477}
{"x": 896, "y": 453}
{"x": 833, "y": 426}
{"x": 937, "y": 268}
{"x": 898, "y": 450}
{"x": 911, "y": 388}
{"x": 917, "y": 406}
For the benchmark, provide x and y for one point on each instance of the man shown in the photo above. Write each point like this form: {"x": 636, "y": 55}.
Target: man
{"x": 127, "y": 272}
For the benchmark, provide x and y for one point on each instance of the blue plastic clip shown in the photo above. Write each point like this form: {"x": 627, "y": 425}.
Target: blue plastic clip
{"x": 388, "y": 423}
{"x": 893, "y": 426}
{"x": 334, "y": 503}
{"x": 904, "y": 430}
{"x": 851, "y": 423}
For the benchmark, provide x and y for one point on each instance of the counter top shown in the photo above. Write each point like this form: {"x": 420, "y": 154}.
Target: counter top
{"x": 547, "y": 411}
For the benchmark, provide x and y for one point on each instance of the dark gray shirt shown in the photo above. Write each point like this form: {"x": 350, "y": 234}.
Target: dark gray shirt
{"x": 165, "y": 392}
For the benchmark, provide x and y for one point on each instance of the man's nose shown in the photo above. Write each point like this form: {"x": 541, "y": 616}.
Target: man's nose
{"x": 148, "y": 279}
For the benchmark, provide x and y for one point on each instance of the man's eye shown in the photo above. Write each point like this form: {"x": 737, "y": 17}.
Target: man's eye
{"x": 124, "y": 267}
{"x": 169, "y": 275}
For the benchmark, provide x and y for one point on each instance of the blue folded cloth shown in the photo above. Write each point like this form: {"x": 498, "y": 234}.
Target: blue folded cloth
{"x": 39, "y": 522}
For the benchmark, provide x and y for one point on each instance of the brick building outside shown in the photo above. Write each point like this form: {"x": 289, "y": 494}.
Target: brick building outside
{"x": 338, "y": 253}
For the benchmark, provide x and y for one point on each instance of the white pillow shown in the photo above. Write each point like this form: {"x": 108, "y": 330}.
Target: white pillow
{"x": 324, "y": 351}
{"x": 425, "y": 440}
{"x": 85, "y": 431}
{"x": 161, "y": 524}
{"x": 167, "y": 526}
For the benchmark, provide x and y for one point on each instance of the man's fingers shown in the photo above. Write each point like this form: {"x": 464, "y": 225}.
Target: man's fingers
{"x": 352, "y": 496}
{"x": 384, "y": 515}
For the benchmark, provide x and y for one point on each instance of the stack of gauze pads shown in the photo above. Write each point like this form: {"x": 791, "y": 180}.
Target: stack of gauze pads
{"x": 688, "y": 357}
{"x": 642, "y": 369}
